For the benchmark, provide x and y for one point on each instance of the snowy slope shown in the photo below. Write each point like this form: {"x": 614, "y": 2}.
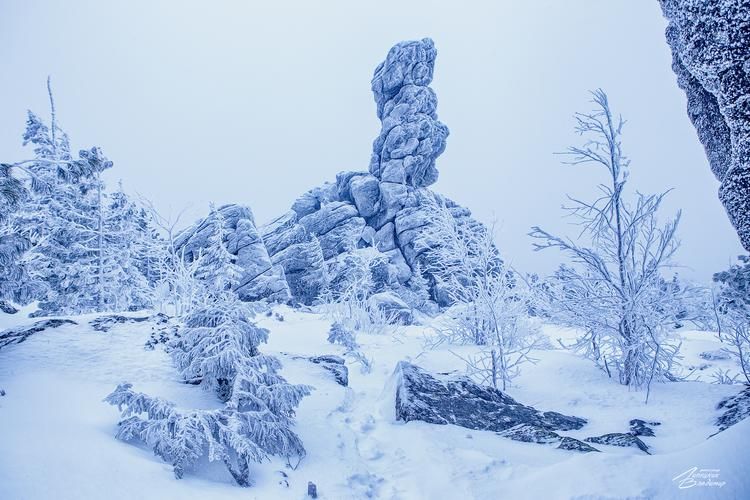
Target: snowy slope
{"x": 56, "y": 435}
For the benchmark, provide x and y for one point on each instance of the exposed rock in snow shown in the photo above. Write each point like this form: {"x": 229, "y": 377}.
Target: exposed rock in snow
{"x": 619, "y": 439}
{"x": 640, "y": 427}
{"x": 711, "y": 57}
{"x": 7, "y": 307}
{"x": 735, "y": 409}
{"x": 411, "y": 137}
{"x": 19, "y": 334}
{"x": 533, "y": 434}
{"x": 335, "y": 365}
{"x": 106, "y": 322}
{"x": 459, "y": 401}
{"x": 715, "y": 355}
{"x": 393, "y": 307}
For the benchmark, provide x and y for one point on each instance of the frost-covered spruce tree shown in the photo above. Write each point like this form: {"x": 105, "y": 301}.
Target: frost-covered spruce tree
{"x": 218, "y": 266}
{"x": 182, "y": 437}
{"x": 73, "y": 253}
{"x": 217, "y": 347}
{"x": 27, "y": 215}
{"x": 126, "y": 242}
{"x": 614, "y": 290}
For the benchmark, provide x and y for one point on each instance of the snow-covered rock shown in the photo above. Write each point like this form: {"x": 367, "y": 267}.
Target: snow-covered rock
{"x": 735, "y": 409}
{"x": 300, "y": 253}
{"x": 711, "y": 57}
{"x": 261, "y": 278}
{"x": 19, "y": 334}
{"x": 459, "y": 401}
{"x": 335, "y": 365}
{"x": 411, "y": 137}
{"x": 640, "y": 427}
{"x": 619, "y": 439}
{"x": 532, "y": 434}
{"x": 393, "y": 307}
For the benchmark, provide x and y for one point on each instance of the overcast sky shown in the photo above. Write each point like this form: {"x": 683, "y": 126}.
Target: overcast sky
{"x": 257, "y": 102}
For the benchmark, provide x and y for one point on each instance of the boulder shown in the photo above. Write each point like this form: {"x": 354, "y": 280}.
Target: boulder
{"x": 394, "y": 308}
{"x": 640, "y": 427}
{"x": 335, "y": 365}
{"x": 396, "y": 258}
{"x": 365, "y": 192}
{"x": 19, "y": 334}
{"x": 312, "y": 200}
{"x": 344, "y": 184}
{"x": 459, "y": 401}
{"x": 384, "y": 239}
{"x": 532, "y": 434}
{"x": 260, "y": 278}
{"x": 620, "y": 439}
{"x": 734, "y": 409}
{"x": 392, "y": 199}
{"x": 283, "y": 232}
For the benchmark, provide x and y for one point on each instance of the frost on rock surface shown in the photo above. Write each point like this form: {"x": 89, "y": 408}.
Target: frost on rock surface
{"x": 261, "y": 278}
{"x": 710, "y": 44}
{"x": 387, "y": 208}
{"x": 411, "y": 136}
{"x": 459, "y": 401}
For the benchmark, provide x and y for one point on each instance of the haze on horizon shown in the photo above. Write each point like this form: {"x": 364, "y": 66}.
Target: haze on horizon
{"x": 219, "y": 102}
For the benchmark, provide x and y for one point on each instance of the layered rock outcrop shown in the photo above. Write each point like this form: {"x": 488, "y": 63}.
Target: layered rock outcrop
{"x": 386, "y": 208}
{"x": 710, "y": 42}
{"x": 262, "y": 279}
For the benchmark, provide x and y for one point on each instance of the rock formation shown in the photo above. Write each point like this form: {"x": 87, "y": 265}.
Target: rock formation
{"x": 305, "y": 250}
{"x": 411, "y": 137}
{"x": 459, "y": 401}
{"x": 710, "y": 42}
{"x": 262, "y": 279}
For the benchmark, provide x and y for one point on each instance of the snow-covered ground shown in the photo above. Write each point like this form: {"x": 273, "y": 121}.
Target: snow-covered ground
{"x": 56, "y": 434}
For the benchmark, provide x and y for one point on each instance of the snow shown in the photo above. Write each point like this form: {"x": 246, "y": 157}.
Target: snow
{"x": 58, "y": 436}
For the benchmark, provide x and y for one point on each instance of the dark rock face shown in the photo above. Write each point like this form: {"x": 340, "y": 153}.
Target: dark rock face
{"x": 335, "y": 365}
{"x": 532, "y": 434}
{"x": 620, "y": 439}
{"x": 717, "y": 355}
{"x": 735, "y": 408}
{"x": 106, "y": 322}
{"x": 7, "y": 307}
{"x": 19, "y": 334}
{"x": 459, "y": 401}
{"x": 640, "y": 427}
{"x": 711, "y": 58}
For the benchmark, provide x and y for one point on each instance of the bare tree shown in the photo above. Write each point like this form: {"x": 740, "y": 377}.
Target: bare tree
{"x": 489, "y": 303}
{"x": 615, "y": 291}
